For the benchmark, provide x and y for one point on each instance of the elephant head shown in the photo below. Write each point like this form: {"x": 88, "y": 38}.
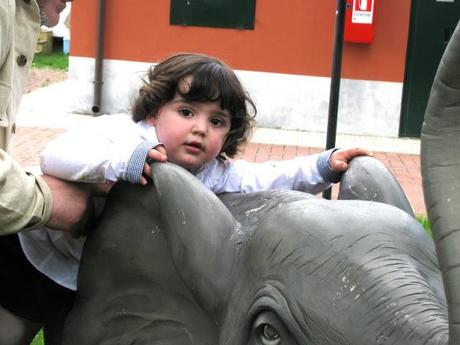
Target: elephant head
{"x": 174, "y": 264}
{"x": 440, "y": 158}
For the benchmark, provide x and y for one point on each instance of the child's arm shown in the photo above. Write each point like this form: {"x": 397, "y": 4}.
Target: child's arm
{"x": 312, "y": 174}
{"x": 110, "y": 148}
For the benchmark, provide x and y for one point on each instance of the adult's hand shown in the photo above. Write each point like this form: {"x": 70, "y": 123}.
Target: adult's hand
{"x": 72, "y": 210}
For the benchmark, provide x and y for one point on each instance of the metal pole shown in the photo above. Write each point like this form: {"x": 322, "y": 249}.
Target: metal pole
{"x": 335, "y": 80}
{"x": 96, "y": 108}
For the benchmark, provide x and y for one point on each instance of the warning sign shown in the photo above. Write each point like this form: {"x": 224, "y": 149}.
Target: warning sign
{"x": 362, "y": 11}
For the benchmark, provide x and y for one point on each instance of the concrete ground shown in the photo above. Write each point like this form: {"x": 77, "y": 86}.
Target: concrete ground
{"x": 43, "y": 116}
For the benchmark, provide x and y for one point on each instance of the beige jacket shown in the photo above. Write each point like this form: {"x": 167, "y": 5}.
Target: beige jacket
{"x": 25, "y": 199}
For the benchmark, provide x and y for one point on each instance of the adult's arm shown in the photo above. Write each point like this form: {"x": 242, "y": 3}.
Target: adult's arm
{"x": 29, "y": 201}
{"x": 25, "y": 199}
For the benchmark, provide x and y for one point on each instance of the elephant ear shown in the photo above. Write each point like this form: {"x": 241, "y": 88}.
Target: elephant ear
{"x": 202, "y": 233}
{"x": 129, "y": 290}
{"x": 440, "y": 161}
{"x": 368, "y": 179}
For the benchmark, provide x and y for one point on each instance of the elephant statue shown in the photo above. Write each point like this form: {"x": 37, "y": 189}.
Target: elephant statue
{"x": 440, "y": 162}
{"x": 177, "y": 265}
{"x": 173, "y": 263}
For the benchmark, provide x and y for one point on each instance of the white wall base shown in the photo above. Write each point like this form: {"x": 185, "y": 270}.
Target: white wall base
{"x": 284, "y": 101}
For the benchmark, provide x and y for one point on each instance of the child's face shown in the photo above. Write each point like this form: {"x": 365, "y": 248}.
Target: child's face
{"x": 192, "y": 133}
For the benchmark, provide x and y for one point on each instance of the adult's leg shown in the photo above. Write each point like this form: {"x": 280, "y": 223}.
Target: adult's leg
{"x": 29, "y": 298}
{"x": 15, "y": 330}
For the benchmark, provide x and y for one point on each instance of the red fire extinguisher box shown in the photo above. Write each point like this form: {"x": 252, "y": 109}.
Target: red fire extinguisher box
{"x": 360, "y": 21}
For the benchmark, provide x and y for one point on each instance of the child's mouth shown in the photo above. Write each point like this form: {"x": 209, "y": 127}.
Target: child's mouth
{"x": 194, "y": 147}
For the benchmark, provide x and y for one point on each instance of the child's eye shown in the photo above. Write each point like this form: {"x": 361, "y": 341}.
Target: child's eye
{"x": 186, "y": 112}
{"x": 218, "y": 122}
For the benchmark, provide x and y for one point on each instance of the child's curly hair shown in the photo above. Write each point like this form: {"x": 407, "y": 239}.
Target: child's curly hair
{"x": 212, "y": 80}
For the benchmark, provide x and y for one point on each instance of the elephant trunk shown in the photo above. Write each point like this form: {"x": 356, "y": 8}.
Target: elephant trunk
{"x": 440, "y": 161}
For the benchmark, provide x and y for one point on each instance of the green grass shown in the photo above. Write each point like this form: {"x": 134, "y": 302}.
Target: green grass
{"x": 38, "y": 340}
{"x": 425, "y": 223}
{"x": 54, "y": 60}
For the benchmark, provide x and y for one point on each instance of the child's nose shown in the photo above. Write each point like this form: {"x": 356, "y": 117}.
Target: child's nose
{"x": 200, "y": 125}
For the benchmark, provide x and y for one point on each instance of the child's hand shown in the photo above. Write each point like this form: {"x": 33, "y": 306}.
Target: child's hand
{"x": 338, "y": 162}
{"x": 157, "y": 154}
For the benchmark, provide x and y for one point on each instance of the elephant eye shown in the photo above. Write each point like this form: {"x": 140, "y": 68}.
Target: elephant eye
{"x": 269, "y": 334}
{"x": 269, "y": 329}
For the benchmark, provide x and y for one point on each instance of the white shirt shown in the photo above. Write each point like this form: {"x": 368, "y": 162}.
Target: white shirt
{"x": 105, "y": 151}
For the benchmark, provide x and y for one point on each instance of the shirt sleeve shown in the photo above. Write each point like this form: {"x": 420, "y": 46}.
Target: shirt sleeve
{"x": 25, "y": 199}
{"x": 113, "y": 147}
{"x": 309, "y": 174}
{"x": 6, "y": 33}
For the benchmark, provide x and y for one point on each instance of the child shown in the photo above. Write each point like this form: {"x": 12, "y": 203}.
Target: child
{"x": 191, "y": 111}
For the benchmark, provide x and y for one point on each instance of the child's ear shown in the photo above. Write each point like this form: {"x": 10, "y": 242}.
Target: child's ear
{"x": 151, "y": 120}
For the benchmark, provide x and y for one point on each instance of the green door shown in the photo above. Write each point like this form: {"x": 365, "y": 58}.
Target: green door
{"x": 431, "y": 25}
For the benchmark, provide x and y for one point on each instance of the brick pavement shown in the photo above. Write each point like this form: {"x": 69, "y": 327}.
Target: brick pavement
{"x": 29, "y": 141}
{"x": 42, "y": 77}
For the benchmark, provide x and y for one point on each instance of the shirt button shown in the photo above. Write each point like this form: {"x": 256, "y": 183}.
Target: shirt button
{"x": 21, "y": 60}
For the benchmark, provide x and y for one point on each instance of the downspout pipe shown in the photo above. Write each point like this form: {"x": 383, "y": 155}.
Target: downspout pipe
{"x": 97, "y": 96}
{"x": 335, "y": 80}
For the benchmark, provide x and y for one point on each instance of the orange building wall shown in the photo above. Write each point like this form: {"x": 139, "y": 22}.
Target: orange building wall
{"x": 294, "y": 37}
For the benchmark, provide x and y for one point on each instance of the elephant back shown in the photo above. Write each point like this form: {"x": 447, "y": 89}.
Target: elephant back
{"x": 368, "y": 179}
